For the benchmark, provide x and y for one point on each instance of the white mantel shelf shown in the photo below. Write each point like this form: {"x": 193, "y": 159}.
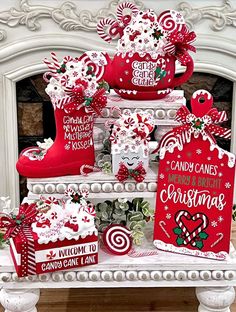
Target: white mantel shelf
{"x": 160, "y": 270}
{"x": 214, "y": 280}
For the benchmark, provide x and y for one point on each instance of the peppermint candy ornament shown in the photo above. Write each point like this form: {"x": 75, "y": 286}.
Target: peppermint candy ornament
{"x": 171, "y": 20}
{"x": 117, "y": 239}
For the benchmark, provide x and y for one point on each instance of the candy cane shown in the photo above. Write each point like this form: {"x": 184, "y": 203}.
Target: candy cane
{"x": 162, "y": 225}
{"x": 126, "y": 5}
{"x": 100, "y": 28}
{"x": 49, "y": 74}
{"x": 83, "y": 167}
{"x": 55, "y": 60}
{"x": 191, "y": 236}
{"x": 49, "y": 64}
{"x": 221, "y": 236}
{"x": 136, "y": 254}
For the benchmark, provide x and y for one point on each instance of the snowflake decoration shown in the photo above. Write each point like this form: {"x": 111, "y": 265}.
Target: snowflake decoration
{"x": 168, "y": 216}
{"x": 220, "y": 219}
{"x": 198, "y": 151}
{"x": 214, "y": 224}
{"x": 94, "y": 54}
{"x": 166, "y": 207}
{"x": 162, "y": 176}
{"x": 227, "y": 185}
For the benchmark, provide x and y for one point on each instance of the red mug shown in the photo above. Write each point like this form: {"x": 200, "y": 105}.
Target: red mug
{"x": 143, "y": 77}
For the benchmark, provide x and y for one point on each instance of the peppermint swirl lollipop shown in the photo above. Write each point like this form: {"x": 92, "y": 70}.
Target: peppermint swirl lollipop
{"x": 117, "y": 239}
{"x": 171, "y": 20}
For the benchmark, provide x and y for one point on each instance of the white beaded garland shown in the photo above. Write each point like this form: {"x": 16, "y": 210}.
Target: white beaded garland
{"x": 141, "y": 186}
{"x": 205, "y": 275}
{"x": 82, "y": 276}
{"x": 119, "y": 276}
{"x": 171, "y": 113}
{"x": 50, "y": 188}
{"x": 168, "y": 275}
{"x": 38, "y": 189}
{"x": 107, "y": 187}
{"x": 129, "y": 186}
{"x": 156, "y": 275}
{"x": 160, "y": 114}
{"x": 61, "y": 188}
{"x": 118, "y": 187}
{"x": 44, "y": 277}
{"x": 181, "y": 275}
{"x": 69, "y": 276}
{"x": 131, "y": 275}
{"x": 230, "y": 275}
{"x": 152, "y": 187}
{"x": 107, "y": 276}
{"x": 73, "y": 186}
{"x": 193, "y": 275}
{"x": 96, "y": 187}
{"x": 94, "y": 276}
{"x": 144, "y": 275}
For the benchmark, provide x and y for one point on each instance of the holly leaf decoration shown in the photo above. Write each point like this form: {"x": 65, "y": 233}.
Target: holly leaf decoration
{"x": 160, "y": 73}
{"x": 199, "y": 244}
{"x": 88, "y": 101}
{"x": 179, "y": 241}
{"x": 177, "y": 231}
{"x": 203, "y": 235}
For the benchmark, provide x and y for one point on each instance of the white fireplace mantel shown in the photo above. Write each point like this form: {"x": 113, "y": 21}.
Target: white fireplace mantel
{"x": 31, "y": 29}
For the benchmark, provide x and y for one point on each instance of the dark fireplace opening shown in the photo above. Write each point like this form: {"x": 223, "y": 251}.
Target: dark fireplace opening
{"x": 36, "y": 116}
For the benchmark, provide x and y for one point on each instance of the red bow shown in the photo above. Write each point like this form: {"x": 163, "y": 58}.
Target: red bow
{"x": 118, "y": 27}
{"x": 72, "y": 226}
{"x": 191, "y": 124}
{"x": 94, "y": 104}
{"x": 138, "y": 174}
{"x": 206, "y": 125}
{"x": 15, "y": 223}
{"x": 180, "y": 43}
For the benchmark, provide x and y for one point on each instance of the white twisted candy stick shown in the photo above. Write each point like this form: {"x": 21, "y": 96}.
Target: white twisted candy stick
{"x": 221, "y": 236}
{"x": 123, "y": 6}
{"x": 106, "y": 22}
{"x": 162, "y": 226}
{"x": 117, "y": 239}
{"x": 137, "y": 254}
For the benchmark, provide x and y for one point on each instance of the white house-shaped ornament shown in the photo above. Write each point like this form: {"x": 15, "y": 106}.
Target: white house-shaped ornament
{"x": 129, "y": 146}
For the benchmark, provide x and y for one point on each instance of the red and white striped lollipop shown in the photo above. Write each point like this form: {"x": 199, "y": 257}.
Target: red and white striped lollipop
{"x": 117, "y": 239}
{"x": 171, "y": 20}
{"x": 97, "y": 65}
